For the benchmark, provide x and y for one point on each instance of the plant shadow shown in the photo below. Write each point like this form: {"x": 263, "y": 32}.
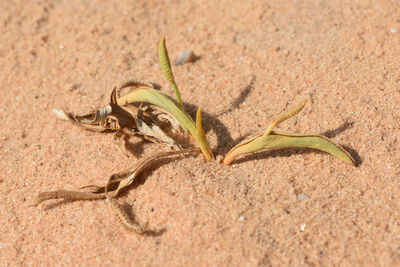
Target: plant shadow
{"x": 142, "y": 177}
{"x": 136, "y": 148}
{"x": 59, "y": 203}
{"x": 212, "y": 122}
{"x": 332, "y": 133}
{"x": 241, "y": 98}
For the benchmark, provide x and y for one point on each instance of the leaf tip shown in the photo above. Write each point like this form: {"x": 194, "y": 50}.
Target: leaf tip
{"x": 228, "y": 160}
{"x": 162, "y": 40}
{"x": 199, "y": 123}
{"x": 284, "y": 116}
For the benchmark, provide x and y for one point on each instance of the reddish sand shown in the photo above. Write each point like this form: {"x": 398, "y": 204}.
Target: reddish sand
{"x": 290, "y": 207}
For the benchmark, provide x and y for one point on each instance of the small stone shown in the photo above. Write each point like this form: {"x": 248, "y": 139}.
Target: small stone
{"x": 302, "y": 197}
{"x": 393, "y": 30}
{"x": 303, "y": 227}
{"x": 242, "y": 218}
{"x": 185, "y": 57}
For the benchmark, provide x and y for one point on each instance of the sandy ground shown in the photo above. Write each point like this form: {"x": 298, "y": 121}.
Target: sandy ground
{"x": 291, "y": 207}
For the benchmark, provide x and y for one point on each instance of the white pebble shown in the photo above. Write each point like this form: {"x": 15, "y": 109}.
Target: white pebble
{"x": 242, "y": 218}
{"x": 185, "y": 57}
{"x": 303, "y": 227}
{"x": 219, "y": 159}
{"x": 303, "y": 196}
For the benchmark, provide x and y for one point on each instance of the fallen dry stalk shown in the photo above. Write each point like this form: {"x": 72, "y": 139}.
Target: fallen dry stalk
{"x": 116, "y": 183}
{"x": 123, "y": 217}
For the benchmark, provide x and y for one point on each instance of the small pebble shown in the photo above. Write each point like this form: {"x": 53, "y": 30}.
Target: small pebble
{"x": 219, "y": 159}
{"x": 303, "y": 227}
{"x": 242, "y": 218}
{"x": 393, "y": 30}
{"x": 302, "y": 196}
{"x": 185, "y": 57}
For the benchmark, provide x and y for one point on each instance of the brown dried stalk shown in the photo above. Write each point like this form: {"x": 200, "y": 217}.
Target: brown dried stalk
{"x": 114, "y": 205}
{"x": 123, "y": 217}
{"x": 116, "y": 183}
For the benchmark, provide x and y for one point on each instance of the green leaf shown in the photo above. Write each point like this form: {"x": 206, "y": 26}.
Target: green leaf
{"x": 278, "y": 140}
{"x": 152, "y": 96}
{"x": 284, "y": 116}
{"x": 166, "y": 69}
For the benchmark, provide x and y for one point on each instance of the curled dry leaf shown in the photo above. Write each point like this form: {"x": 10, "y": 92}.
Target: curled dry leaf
{"x": 277, "y": 140}
{"x": 150, "y": 122}
{"x": 111, "y": 117}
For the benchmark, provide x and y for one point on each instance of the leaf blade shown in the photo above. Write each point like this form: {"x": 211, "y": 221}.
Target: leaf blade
{"x": 278, "y": 140}
{"x": 166, "y": 69}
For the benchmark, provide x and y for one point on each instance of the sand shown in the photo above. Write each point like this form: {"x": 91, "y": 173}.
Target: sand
{"x": 289, "y": 207}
